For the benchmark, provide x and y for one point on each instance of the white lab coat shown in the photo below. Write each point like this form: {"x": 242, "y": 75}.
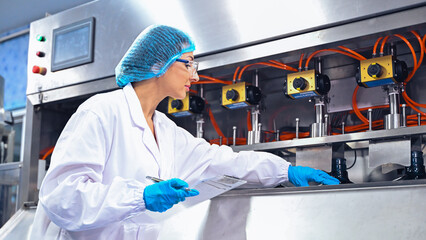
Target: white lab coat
{"x": 94, "y": 186}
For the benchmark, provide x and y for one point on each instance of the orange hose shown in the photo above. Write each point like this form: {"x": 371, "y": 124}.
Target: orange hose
{"x": 415, "y": 109}
{"x": 373, "y": 107}
{"x": 355, "y": 107}
{"x": 239, "y": 141}
{"x": 383, "y": 44}
{"x": 331, "y": 50}
{"x": 259, "y": 63}
{"x": 284, "y": 65}
{"x": 249, "y": 124}
{"x": 300, "y": 61}
{"x": 50, "y": 151}
{"x": 215, "y": 79}
{"x": 235, "y": 74}
{"x": 353, "y": 52}
{"x": 375, "y": 45}
{"x": 414, "y": 57}
{"x": 214, "y": 123}
{"x": 421, "y": 48}
{"x": 204, "y": 82}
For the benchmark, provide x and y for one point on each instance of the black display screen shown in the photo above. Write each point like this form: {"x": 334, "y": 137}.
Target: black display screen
{"x": 73, "y": 45}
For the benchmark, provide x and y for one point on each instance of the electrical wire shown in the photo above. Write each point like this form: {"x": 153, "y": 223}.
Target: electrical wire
{"x": 355, "y": 157}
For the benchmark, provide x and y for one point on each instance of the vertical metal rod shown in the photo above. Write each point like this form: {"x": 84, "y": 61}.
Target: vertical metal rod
{"x": 234, "y": 135}
{"x": 297, "y": 128}
{"x": 201, "y": 91}
{"x": 343, "y": 127}
{"x": 404, "y": 116}
{"x": 256, "y": 79}
{"x": 370, "y": 119}
{"x": 200, "y": 130}
{"x": 394, "y": 103}
{"x": 419, "y": 119}
{"x": 220, "y": 140}
{"x": 277, "y": 135}
{"x": 249, "y": 137}
{"x": 258, "y": 133}
{"x": 326, "y": 124}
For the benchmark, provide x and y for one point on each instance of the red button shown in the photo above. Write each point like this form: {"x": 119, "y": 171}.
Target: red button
{"x": 40, "y": 54}
{"x": 36, "y": 69}
{"x": 40, "y": 70}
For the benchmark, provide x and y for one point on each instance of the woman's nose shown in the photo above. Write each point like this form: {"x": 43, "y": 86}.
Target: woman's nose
{"x": 194, "y": 77}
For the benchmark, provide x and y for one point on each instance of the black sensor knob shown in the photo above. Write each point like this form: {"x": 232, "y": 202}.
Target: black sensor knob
{"x": 196, "y": 104}
{"x": 177, "y": 104}
{"x": 253, "y": 95}
{"x": 374, "y": 70}
{"x": 300, "y": 83}
{"x": 232, "y": 95}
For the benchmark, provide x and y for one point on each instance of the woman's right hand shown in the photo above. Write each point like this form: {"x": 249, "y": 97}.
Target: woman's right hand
{"x": 161, "y": 196}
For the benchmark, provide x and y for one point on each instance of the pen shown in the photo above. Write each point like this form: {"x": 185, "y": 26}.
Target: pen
{"x": 156, "y": 180}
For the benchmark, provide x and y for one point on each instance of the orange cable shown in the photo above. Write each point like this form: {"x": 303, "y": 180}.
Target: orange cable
{"x": 383, "y": 44}
{"x": 50, "y": 151}
{"x": 300, "y": 61}
{"x": 331, "y": 50}
{"x": 249, "y": 124}
{"x": 355, "y": 107}
{"x": 235, "y": 74}
{"x": 215, "y": 79}
{"x": 284, "y": 65}
{"x": 259, "y": 63}
{"x": 353, "y": 52}
{"x": 214, "y": 123}
{"x": 375, "y": 45}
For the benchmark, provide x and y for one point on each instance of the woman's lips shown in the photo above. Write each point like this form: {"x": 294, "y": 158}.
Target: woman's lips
{"x": 187, "y": 87}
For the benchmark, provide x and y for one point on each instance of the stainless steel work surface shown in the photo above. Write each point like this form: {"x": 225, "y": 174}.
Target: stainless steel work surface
{"x": 19, "y": 226}
{"x": 361, "y": 211}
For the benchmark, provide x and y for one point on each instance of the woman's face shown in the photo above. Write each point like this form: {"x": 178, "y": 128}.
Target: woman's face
{"x": 178, "y": 78}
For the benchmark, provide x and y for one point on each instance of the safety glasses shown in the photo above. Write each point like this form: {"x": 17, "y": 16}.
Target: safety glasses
{"x": 190, "y": 65}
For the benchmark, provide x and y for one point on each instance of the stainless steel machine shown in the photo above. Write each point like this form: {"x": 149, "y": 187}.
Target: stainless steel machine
{"x": 341, "y": 113}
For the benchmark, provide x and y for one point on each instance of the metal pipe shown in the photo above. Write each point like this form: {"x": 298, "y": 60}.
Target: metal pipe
{"x": 370, "y": 119}
{"x": 14, "y": 35}
{"x": 256, "y": 79}
{"x": 297, "y": 127}
{"x": 419, "y": 119}
{"x": 343, "y": 127}
{"x": 319, "y": 111}
{"x": 404, "y": 116}
{"x": 249, "y": 137}
{"x": 393, "y": 119}
{"x": 200, "y": 131}
{"x": 277, "y": 135}
{"x": 258, "y": 133}
{"x": 234, "y": 135}
{"x": 394, "y": 103}
{"x": 220, "y": 140}
{"x": 326, "y": 124}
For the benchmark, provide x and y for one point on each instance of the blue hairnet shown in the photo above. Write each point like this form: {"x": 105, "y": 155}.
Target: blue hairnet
{"x": 152, "y": 53}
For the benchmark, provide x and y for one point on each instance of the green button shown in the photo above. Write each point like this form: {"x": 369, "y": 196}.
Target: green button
{"x": 40, "y": 38}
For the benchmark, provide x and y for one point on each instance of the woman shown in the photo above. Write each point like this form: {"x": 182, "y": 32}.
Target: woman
{"x": 96, "y": 186}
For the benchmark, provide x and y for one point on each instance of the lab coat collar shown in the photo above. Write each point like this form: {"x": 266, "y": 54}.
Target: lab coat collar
{"x": 135, "y": 107}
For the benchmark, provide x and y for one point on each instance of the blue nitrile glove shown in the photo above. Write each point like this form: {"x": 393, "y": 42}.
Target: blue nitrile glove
{"x": 300, "y": 176}
{"x": 161, "y": 196}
